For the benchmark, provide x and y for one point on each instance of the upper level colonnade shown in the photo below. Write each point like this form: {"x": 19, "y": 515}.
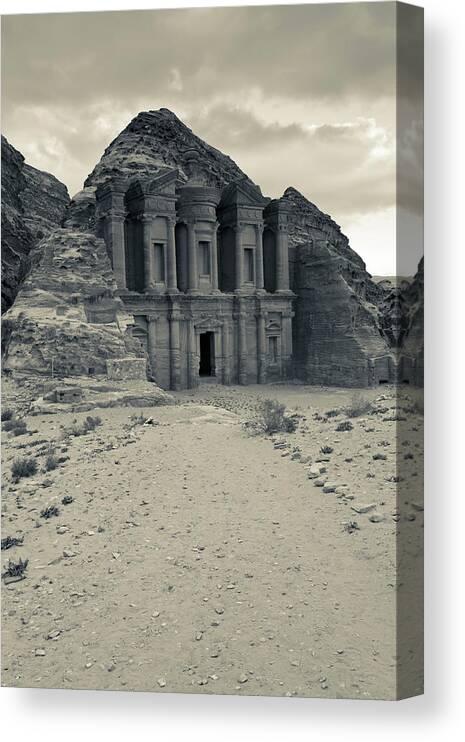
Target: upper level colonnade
{"x": 163, "y": 238}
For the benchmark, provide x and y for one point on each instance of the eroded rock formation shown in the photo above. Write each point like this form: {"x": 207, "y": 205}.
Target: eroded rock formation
{"x": 33, "y": 204}
{"x": 337, "y": 337}
{"x": 348, "y": 330}
{"x": 66, "y": 319}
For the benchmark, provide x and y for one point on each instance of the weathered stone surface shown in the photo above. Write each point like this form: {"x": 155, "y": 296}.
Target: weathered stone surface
{"x": 337, "y": 340}
{"x": 51, "y": 328}
{"x": 126, "y": 368}
{"x": 33, "y": 203}
{"x": 155, "y": 141}
{"x": 101, "y": 393}
{"x": 411, "y": 359}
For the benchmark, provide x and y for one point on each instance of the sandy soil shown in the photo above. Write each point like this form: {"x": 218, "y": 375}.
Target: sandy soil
{"x": 195, "y": 557}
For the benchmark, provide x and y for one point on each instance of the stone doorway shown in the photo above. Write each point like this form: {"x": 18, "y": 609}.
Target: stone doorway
{"x": 207, "y": 354}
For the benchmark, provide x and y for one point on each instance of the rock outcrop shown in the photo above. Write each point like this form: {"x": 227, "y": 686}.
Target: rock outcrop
{"x": 155, "y": 141}
{"x": 67, "y": 319}
{"x": 33, "y": 203}
{"x": 412, "y": 350}
{"x": 337, "y": 337}
{"x": 348, "y": 330}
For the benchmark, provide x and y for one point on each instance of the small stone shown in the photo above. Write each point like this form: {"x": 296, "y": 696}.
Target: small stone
{"x": 62, "y": 529}
{"x": 376, "y": 518}
{"x": 40, "y": 653}
{"x": 161, "y": 682}
{"x": 219, "y": 610}
{"x": 417, "y": 506}
{"x": 319, "y": 482}
{"x": 242, "y": 678}
{"x": 329, "y": 487}
{"x": 364, "y": 508}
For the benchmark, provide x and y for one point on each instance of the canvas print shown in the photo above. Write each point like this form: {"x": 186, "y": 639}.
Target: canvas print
{"x": 212, "y": 350}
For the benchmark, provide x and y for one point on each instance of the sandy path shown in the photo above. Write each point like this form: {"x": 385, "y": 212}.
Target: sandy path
{"x": 199, "y": 560}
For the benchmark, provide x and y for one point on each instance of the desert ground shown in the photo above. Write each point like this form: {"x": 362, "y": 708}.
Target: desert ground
{"x": 196, "y": 554}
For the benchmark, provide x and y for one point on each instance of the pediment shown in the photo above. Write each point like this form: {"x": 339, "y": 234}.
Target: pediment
{"x": 242, "y": 193}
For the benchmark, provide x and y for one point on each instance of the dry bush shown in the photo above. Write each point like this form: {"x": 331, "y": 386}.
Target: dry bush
{"x": 272, "y": 417}
{"x": 359, "y": 405}
{"x": 7, "y": 414}
{"x": 346, "y": 425}
{"x": 51, "y": 462}
{"x": 10, "y": 541}
{"x": 77, "y": 429}
{"x": 16, "y": 569}
{"x": 23, "y": 468}
{"x": 49, "y": 512}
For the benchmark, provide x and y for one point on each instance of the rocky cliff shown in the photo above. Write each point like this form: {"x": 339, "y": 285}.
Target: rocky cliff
{"x": 337, "y": 334}
{"x": 344, "y": 333}
{"x": 33, "y": 203}
{"x": 66, "y": 319}
{"x": 157, "y": 140}
{"x": 412, "y": 350}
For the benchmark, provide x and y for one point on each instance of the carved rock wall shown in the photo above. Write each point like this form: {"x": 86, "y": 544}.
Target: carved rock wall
{"x": 66, "y": 316}
{"x": 33, "y": 203}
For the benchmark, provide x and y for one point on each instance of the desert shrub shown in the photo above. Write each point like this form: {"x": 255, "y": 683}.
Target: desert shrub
{"x": 137, "y": 419}
{"x": 379, "y": 457}
{"x": 49, "y": 512}
{"x": 326, "y": 449}
{"x": 9, "y": 425}
{"x": 332, "y": 413}
{"x": 20, "y": 428}
{"x": 16, "y": 569}
{"x": 77, "y": 429}
{"x": 359, "y": 405}
{"x": 272, "y": 417}
{"x": 67, "y": 500}
{"x": 7, "y": 414}
{"x": 346, "y": 425}
{"x": 23, "y": 468}
{"x": 10, "y": 541}
{"x": 51, "y": 462}
{"x": 351, "y": 526}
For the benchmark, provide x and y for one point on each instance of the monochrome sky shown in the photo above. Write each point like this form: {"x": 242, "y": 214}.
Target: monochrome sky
{"x": 296, "y": 95}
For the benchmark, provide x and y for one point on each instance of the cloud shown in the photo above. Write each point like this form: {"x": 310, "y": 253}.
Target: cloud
{"x": 296, "y": 95}
{"x": 320, "y": 51}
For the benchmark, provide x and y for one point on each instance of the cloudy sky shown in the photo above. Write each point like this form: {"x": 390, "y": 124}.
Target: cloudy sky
{"x": 296, "y": 95}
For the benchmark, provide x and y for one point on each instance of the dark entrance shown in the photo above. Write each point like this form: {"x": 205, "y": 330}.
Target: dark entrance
{"x": 207, "y": 354}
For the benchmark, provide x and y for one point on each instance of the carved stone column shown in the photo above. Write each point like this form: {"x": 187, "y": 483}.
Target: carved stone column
{"x": 226, "y": 338}
{"x": 193, "y": 286}
{"x": 261, "y": 347}
{"x": 149, "y": 276}
{"x": 286, "y": 343}
{"x": 192, "y": 359}
{"x": 239, "y": 260}
{"x": 214, "y": 257}
{"x": 242, "y": 331}
{"x": 259, "y": 282}
{"x": 152, "y": 344}
{"x": 282, "y": 259}
{"x": 175, "y": 350}
{"x": 172, "y": 282}
{"x": 115, "y": 221}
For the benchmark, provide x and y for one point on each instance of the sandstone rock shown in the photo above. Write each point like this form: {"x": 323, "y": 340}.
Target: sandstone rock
{"x": 126, "y": 368}
{"x": 363, "y": 508}
{"x": 157, "y": 140}
{"x": 329, "y": 487}
{"x": 376, "y": 518}
{"x": 67, "y": 318}
{"x": 33, "y": 203}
